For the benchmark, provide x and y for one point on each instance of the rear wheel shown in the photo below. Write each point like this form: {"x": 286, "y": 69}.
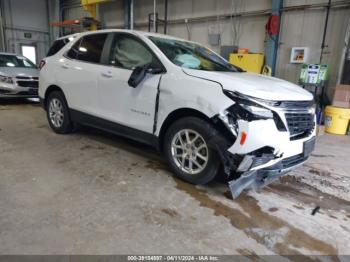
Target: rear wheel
{"x": 188, "y": 151}
{"x": 58, "y": 113}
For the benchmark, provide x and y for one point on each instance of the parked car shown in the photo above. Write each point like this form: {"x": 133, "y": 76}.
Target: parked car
{"x": 200, "y": 111}
{"x": 19, "y": 77}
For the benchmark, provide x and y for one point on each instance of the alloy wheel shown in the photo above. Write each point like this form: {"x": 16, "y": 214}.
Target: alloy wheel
{"x": 189, "y": 151}
{"x": 56, "y": 112}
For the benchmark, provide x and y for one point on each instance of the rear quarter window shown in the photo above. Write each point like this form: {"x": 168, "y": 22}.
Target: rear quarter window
{"x": 57, "y": 46}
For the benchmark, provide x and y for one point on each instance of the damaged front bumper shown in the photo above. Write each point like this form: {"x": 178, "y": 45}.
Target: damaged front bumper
{"x": 264, "y": 154}
{"x": 263, "y": 166}
{"x": 259, "y": 178}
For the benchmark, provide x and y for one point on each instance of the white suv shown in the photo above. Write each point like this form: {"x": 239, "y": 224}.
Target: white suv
{"x": 200, "y": 111}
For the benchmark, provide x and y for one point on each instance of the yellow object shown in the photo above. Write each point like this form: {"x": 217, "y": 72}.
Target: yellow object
{"x": 337, "y": 120}
{"x": 248, "y": 62}
{"x": 91, "y": 2}
{"x": 91, "y": 7}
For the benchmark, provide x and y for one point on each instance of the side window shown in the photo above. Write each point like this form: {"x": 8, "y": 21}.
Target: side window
{"x": 73, "y": 52}
{"x": 89, "y": 48}
{"x": 56, "y": 46}
{"x": 127, "y": 52}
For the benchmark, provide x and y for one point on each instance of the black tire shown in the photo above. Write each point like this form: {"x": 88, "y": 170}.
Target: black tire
{"x": 67, "y": 125}
{"x": 207, "y": 132}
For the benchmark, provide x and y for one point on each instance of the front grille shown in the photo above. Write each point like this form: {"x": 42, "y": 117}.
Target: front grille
{"x": 4, "y": 91}
{"x": 28, "y": 77}
{"x": 23, "y": 77}
{"x": 300, "y": 125}
{"x": 34, "y": 84}
{"x": 293, "y": 160}
{"x": 296, "y": 104}
{"x": 29, "y": 92}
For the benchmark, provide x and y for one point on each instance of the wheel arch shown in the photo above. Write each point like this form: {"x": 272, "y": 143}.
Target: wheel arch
{"x": 51, "y": 89}
{"x": 174, "y": 116}
{"x": 186, "y": 112}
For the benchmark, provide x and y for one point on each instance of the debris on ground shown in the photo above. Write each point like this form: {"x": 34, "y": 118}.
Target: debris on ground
{"x": 316, "y": 209}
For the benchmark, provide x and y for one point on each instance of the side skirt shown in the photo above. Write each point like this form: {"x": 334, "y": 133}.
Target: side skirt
{"x": 114, "y": 128}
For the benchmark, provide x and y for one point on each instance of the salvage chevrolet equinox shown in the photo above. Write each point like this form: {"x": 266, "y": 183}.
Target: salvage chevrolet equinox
{"x": 205, "y": 115}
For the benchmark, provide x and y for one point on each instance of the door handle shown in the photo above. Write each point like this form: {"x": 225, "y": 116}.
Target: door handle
{"x": 65, "y": 66}
{"x": 107, "y": 74}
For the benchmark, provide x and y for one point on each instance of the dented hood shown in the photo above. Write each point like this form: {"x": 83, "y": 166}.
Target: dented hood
{"x": 254, "y": 85}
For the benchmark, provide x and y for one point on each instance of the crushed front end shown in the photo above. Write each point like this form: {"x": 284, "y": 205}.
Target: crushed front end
{"x": 271, "y": 139}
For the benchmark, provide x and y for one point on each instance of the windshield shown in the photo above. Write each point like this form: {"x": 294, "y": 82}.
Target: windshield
{"x": 192, "y": 55}
{"x": 15, "y": 61}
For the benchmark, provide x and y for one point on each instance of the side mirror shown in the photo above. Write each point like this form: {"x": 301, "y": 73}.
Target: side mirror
{"x": 140, "y": 72}
{"x": 137, "y": 76}
{"x": 154, "y": 70}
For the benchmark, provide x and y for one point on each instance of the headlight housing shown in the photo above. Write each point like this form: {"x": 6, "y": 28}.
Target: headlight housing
{"x": 229, "y": 122}
{"x": 6, "y": 79}
{"x": 258, "y": 111}
{"x": 248, "y": 109}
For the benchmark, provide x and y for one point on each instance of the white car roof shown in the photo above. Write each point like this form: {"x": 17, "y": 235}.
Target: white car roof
{"x": 68, "y": 36}
{"x": 135, "y": 32}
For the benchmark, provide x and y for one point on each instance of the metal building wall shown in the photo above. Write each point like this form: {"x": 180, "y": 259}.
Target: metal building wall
{"x": 20, "y": 17}
{"x": 299, "y": 28}
{"x": 71, "y": 9}
{"x": 305, "y": 28}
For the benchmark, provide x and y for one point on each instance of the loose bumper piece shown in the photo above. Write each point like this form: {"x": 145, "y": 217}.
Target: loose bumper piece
{"x": 254, "y": 179}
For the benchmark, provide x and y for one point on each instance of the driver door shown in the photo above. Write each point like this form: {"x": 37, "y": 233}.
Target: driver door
{"x": 119, "y": 102}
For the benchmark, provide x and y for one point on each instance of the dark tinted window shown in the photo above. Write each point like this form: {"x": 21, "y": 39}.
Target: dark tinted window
{"x": 128, "y": 52}
{"x": 57, "y": 46}
{"x": 73, "y": 52}
{"x": 91, "y": 48}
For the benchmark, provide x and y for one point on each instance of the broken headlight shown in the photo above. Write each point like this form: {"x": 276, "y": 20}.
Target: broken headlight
{"x": 6, "y": 79}
{"x": 247, "y": 109}
{"x": 258, "y": 111}
{"x": 229, "y": 121}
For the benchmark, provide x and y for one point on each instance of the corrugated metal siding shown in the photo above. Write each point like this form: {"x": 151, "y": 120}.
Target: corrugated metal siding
{"x": 20, "y": 18}
{"x": 305, "y": 28}
{"x": 299, "y": 28}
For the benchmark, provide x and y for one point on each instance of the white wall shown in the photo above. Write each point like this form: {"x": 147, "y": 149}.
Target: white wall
{"x": 26, "y": 17}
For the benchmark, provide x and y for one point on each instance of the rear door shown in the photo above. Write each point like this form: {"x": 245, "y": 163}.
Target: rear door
{"x": 79, "y": 73}
{"x": 121, "y": 103}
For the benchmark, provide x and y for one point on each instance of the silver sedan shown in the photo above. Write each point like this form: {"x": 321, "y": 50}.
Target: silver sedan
{"x": 19, "y": 77}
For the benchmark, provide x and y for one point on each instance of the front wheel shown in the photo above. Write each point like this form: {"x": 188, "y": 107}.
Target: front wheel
{"x": 188, "y": 152}
{"x": 58, "y": 113}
